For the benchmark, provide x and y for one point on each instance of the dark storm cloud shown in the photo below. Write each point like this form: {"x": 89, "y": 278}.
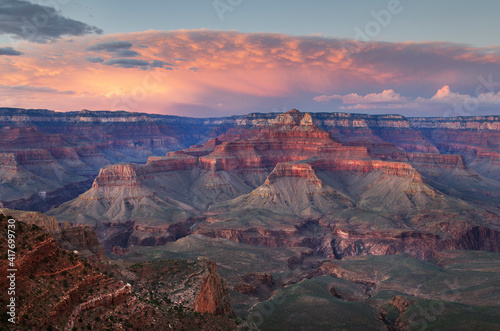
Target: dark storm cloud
{"x": 9, "y": 51}
{"x": 111, "y": 46}
{"x": 37, "y": 23}
{"x": 95, "y": 59}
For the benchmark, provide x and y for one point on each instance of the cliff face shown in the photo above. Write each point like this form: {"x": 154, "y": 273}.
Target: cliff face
{"x": 39, "y": 170}
{"x": 476, "y": 138}
{"x": 80, "y": 238}
{"x": 57, "y": 289}
{"x": 469, "y": 136}
{"x": 50, "y": 281}
{"x": 293, "y": 170}
{"x": 290, "y": 137}
{"x": 213, "y": 297}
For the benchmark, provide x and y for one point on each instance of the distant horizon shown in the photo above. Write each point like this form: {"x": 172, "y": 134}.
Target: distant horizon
{"x": 242, "y": 115}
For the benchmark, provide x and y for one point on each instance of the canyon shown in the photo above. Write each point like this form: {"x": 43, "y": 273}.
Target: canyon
{"x": 47, "y": 157}
{"x": 285, "y": 182}
{"x": 330, "y": 205}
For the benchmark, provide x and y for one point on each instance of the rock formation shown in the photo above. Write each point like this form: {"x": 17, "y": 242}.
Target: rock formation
{"x": 323, "y": 204}
{"x": 47, "y": 157}
{"x": 57, "y": 289}
{"x": 213, "y": 297}
{"x": 269, "y": 181}
{"x": 71, "y": 238}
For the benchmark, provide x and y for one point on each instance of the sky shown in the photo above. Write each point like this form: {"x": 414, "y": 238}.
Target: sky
{"x": 210, "y": 58}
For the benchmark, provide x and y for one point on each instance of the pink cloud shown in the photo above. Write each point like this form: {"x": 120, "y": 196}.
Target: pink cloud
{"x": 389, "y": 100}
{"x": 153, "y": 71}
{"x": 387, "y": 96}
{"x": 445, "y": 95}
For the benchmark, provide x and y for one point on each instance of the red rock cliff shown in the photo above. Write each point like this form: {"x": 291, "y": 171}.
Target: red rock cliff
{"x": 213, "y": 297}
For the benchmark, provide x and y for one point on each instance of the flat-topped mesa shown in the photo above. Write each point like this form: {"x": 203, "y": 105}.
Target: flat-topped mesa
{"x": 479, "y": 123}
{"x": 33, "y": 157}
{"x": 124, "y": 174}
{"x": 292, "y": 117}
{"x": 265, "y": 153}
{"x": 290, "y": 124}
{"x": 179, "y": 160}
{"x": 488, "y": 155}
{"x": 202, "y": 150}
{"x": 396, "y": 169}
{"x": 130, "y": 174}
{"x": 302, "y": 170}
{"x": 444, "y": 161}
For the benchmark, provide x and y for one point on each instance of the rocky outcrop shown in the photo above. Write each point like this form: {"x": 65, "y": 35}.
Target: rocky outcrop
{"x": 117, "y": 175}
{"x": 179, "y": 160}
{"x": 479, "y": 238}
{"x": 213, "y": 297}
{"x": 82, "y": 239}
{"x": 397, "y": 169}
{"x": 293, "y": 170}
{"x": 417, "y": 244}
{"x": 56, "y": 289}
{"x": 401, "y": 303}
{"x": 103, "y": 300}
{"x": 72, "y": 238}
{"x": 49, "y": 280}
